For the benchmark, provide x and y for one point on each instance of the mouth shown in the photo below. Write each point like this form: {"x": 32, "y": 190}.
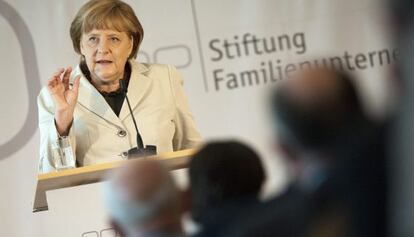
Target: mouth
{"x": 103, "y": 62}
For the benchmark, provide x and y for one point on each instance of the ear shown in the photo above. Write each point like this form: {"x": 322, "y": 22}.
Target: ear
{"x": 131, "y": 46}
{"x": 81, "y": 47}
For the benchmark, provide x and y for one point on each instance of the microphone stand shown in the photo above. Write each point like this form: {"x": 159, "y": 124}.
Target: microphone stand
{"x": 139, "y": 150}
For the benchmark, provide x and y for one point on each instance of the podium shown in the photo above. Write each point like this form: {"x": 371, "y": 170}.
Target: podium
{"x": 96, "y": 173}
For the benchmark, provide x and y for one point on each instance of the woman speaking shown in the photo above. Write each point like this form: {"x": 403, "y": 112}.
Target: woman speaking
{"x": 84, "y": 117}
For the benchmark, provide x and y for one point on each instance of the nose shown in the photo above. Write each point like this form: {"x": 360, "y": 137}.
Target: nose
{"x": 103, "y": 46}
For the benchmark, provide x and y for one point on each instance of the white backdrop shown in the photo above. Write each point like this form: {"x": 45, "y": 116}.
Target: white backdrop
{"x": 213, "y": 43}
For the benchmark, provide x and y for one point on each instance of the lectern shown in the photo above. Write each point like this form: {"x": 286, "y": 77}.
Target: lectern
{"x": 96, "y": 173}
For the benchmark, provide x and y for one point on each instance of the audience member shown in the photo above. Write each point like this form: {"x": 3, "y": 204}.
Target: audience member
{"x": 143, "y": 200}
{"x": 337, "y": 159}
{"x": 401, "y": 174}
{"x": 226, "y": 179}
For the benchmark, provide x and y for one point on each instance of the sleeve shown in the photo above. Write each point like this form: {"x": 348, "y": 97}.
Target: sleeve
{"x": 56, "y": 152}
{"x": 186, "y": 133}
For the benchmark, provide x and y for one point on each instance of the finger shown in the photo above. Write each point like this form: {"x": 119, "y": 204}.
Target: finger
{"x": 55, "y": 76}
{"x": 58, "y": 73}
{"x": 66, "y": 76}
{"x": 55, "y": 80}
{"x": 52, "y": 86}
{"x": 52, "y": 82}
{"x": 76, "y": 83}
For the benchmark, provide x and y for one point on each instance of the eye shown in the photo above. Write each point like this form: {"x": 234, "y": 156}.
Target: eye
{"x": 115, "y": 39}
{"x": 92, "y": 40}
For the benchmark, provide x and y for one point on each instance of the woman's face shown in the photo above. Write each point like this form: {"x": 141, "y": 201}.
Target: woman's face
{"x": 106, "y": 53}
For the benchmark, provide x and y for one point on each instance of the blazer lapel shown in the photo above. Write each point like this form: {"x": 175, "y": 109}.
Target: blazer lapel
{"x": 139, "y": 86}
{"x": 93, "y": 101}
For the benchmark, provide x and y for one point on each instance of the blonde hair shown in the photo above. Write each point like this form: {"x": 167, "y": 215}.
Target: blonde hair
{"x": 106, "y": 14}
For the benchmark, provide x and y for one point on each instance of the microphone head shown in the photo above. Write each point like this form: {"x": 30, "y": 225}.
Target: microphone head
{"x": 123, "y": 86}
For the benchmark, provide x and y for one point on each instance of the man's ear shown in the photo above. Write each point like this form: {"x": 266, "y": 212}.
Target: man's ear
{"x": 117, "y": 228}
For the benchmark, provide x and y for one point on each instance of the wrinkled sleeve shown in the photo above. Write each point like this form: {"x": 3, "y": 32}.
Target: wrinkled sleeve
{"x": 56, "y": 152}
{"x": 186, "y": 132}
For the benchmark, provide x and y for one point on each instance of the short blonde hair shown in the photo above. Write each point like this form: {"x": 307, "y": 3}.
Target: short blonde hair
{"x": 106, "y": 14}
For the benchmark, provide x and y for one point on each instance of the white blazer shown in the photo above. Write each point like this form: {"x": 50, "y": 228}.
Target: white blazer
{"x": 97, "y": 135}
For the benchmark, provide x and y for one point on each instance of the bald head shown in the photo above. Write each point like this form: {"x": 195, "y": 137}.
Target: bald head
{"x": 142, "y": 197}
{"x": 313, "y": 88}
{"x": 141, "y": 179}
{"x": 315, "y": 107}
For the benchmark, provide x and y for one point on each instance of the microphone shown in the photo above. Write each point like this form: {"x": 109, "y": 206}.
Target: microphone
{"x": 140, "y": 150}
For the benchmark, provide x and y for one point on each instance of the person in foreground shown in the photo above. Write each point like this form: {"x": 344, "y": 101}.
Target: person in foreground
{"x": 143, "y": 200}
{"x": 83, "y": 116}
{"x": 336, "y": 155}
{"x": 226, "y": 178}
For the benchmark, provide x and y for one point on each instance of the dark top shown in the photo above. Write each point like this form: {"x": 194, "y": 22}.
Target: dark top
{"x": 115, "y": 99}
{"x": 219, "y": 218}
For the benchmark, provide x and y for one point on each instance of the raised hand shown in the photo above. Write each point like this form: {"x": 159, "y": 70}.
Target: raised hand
{"x": 64, "y": 98}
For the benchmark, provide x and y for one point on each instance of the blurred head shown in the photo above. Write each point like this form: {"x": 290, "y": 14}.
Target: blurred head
{"x": 402, "y": 16}
{"x": 335, "y": 152}
{"x": 142, "y": 198}
{"x": 221, "y": 172}
{"x": 402, "y": 13}
{"x": 316, "y": 110}
{"x": 106, "y": 33}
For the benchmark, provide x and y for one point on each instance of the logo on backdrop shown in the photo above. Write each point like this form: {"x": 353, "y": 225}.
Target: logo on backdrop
{"x": 109, "y": 232}
{"x": 31, "y": 71}
{"x": 181, "y": 50}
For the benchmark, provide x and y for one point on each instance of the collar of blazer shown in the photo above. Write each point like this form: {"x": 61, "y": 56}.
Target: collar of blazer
{"x": 90, "y": 98}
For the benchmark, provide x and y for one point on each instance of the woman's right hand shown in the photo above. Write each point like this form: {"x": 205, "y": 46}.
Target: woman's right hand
{"x": 64, "y": 98}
